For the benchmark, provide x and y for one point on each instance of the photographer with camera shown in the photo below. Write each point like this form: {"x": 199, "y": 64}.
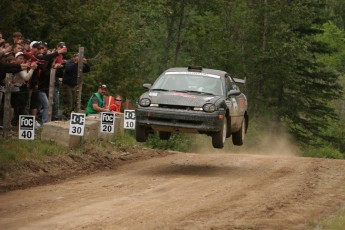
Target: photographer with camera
{"x": 41, "y": 79}
{"x": 70, "y": 82}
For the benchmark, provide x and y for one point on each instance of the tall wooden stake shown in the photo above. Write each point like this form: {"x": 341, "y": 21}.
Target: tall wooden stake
{"x": 80, "y": 78}
{"x": 7, "y": 106}
{"x": 51, "y": 93}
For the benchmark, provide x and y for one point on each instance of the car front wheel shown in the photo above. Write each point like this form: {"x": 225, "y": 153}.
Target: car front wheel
{"x": 218, "y": 138}
{"x": 141, "y": 134}
{"x": 238, "y": 137}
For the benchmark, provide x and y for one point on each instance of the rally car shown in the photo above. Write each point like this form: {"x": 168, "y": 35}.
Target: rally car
{"x": 193, "y": 100}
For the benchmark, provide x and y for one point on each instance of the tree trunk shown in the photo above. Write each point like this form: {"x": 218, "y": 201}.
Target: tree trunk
{"x": 179, "y": 31}
{"x": 170, "y": 38}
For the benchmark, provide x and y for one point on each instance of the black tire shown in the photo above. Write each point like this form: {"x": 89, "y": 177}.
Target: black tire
{"x": 238, "y": 137}
{"x": 164, "y": 135}
{"x": 228, "y": 131}
{"x": 218, "y": 138}
{"x": 141, "y": 134}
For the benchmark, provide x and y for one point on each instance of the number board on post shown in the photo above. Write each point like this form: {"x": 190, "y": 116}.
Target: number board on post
{"x": 107, "y": 122}
{"x": 77, "y": 124}
{"x": 26, "y": 127}
{"x": 129, "y": 119}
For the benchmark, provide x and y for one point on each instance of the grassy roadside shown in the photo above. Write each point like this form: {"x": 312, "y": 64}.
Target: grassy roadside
{"x": 14, "y": 150}
{"x": 336, "y": 222}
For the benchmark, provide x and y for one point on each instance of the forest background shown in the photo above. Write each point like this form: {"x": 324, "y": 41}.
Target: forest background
{"x": 292, "y": 53}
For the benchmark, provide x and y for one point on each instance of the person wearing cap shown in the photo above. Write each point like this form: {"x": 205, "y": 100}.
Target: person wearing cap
{"x": 26, "y": 45}
{"x": 19, "y": 90}
{"x": 96, "y": 103}
{"x": 59, "y": 65}
{"x": 41, "y": 78}
{"x": 44, "y": 48}
{"x": 44, "y": 79}
{"x": 70, "y": 82}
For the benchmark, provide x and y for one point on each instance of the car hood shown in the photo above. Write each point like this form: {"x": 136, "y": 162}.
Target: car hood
{"x": 180, "y": 98}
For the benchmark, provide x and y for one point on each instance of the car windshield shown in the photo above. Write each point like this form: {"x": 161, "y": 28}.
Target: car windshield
{"x": 189, "y": 82}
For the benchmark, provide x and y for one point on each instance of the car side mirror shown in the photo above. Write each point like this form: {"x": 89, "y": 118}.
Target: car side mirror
{"x": 234, "y": 92}
{"x": 147, "y": 85}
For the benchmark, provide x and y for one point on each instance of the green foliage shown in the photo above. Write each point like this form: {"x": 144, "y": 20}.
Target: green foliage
{"x": 323, "y": 152}
{"x": 178, "y": 142}
{"x": 291, "y": 52}
{"x": 124, "y": 141}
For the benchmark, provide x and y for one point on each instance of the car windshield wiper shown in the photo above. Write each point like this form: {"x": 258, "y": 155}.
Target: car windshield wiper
{"x": 194, "y": 91}
{"x": 158, "y": 89}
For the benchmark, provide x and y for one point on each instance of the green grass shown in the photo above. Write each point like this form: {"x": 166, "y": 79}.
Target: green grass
{"x": 16, "y": 150}
{"x": 323, "y": 152}
{"x": 336, "y": 222}
{"x": 121, "y": 142}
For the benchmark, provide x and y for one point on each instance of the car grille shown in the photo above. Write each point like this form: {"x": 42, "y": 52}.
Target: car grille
{"x": 179, "y": 107}
{"x": 181, "y": 121}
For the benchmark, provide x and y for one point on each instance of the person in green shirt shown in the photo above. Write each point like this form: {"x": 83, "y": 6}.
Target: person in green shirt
{"x": 96, "y": 103}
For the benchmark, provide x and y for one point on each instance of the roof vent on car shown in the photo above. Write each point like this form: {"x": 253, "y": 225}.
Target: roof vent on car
{"x": 195, "y": 68}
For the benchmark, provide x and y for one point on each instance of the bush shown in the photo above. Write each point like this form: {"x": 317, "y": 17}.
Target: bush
{"x": 323, "y": 152}
{"x": 178, "y": 142}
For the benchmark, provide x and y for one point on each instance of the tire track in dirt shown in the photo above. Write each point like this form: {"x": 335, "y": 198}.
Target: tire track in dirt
{"x": 186, "y": 191}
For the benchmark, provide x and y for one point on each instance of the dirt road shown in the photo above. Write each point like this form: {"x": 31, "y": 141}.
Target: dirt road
{"x": 186, "y": 191}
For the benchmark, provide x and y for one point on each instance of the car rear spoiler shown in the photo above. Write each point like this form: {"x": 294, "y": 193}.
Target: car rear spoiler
{"x": 238, "y": 80}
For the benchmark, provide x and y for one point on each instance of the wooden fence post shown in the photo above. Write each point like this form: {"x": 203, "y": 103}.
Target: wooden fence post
{"x": 51, "y": 93}
{"x": 80, "y": 77}
{"x": 7, "y": 106}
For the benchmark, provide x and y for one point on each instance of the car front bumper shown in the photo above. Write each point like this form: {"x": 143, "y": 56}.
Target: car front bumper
{"x": 172, "y": 120}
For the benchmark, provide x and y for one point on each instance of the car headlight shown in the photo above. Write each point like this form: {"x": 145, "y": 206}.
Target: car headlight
{"x": 209, "y": 108}
{"x": 145, "y": 102}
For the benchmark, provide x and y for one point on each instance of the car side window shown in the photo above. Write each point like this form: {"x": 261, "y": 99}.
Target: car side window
{"x": 228, "y": 83}
{"x": 231, "y": 83}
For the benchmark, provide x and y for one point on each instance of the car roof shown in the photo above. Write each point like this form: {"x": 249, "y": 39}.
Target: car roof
{"x": 197, "y": 70}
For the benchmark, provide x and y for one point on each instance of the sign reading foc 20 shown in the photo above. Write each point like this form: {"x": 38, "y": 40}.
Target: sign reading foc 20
{"x": 107, "y": 122}
{"x": 26, "y": 127}
{"x": 77, "y": 124}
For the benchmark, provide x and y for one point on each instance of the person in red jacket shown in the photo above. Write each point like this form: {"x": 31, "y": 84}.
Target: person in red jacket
{"x": 115, "y": 104}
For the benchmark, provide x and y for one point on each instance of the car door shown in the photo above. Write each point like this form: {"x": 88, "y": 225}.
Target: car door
{"x": 236, "y": 103}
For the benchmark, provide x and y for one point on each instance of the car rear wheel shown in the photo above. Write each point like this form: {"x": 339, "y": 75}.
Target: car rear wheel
{"x": 218, "y": 138}
{"x": 164, "y": 135}
{"x": 141, "y": 134}
{"x": 228, "y": 131}
{"x": 238, "y": 137}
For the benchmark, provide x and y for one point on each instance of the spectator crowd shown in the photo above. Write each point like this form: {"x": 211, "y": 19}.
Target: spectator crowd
{"x": 29, "y": 64}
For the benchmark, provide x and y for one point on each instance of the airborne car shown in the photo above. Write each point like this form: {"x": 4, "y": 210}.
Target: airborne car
{"x": 193, "y": 100}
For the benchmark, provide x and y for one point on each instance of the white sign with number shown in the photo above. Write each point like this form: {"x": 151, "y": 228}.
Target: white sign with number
{"x": 77, "y": 124}
{"x": 107, "y": 122}
{"x": 129, "y": 119}
{"x": 27, "y": 127}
